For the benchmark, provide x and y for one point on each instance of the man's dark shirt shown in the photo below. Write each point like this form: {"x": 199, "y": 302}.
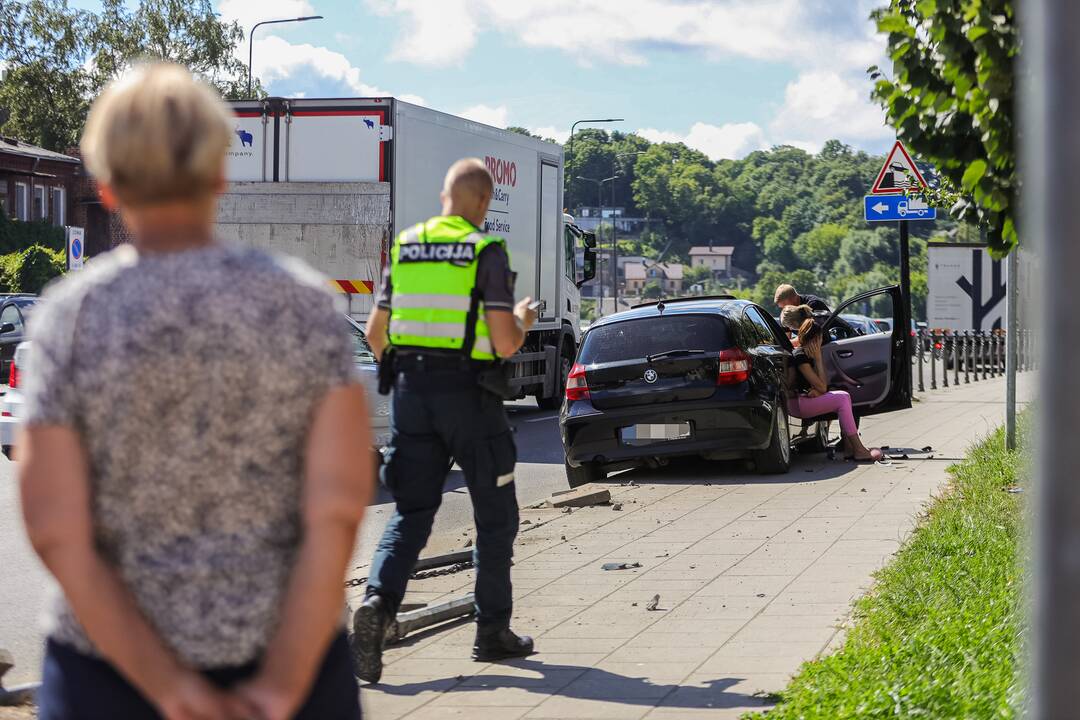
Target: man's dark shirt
{"x": 816, "y": 304}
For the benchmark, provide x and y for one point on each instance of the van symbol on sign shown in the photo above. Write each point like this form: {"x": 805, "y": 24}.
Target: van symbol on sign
{"x": 246, "y": 138}
{"x": 369, "y": 123}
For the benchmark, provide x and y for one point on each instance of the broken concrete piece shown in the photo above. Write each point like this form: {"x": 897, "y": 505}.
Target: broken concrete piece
{"x": 653, "y": 604}
{"x": 616, "y": 506}
{"x": 414, "y": 620}
{"x": 583, "y": 496}
{"x": 620, "y": 566}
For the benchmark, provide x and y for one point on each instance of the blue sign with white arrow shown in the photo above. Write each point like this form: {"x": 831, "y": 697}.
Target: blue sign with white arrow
{"x": 889, "y": 208}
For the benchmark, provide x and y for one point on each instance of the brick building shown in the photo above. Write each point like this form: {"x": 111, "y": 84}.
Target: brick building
{"x": 41, "y": 185}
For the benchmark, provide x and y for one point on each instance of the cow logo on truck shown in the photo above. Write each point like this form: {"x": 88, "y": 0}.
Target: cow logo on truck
{"x": 246, "y": 138}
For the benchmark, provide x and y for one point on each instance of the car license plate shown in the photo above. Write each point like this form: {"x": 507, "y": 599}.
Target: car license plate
{"x": 644, "y": 434}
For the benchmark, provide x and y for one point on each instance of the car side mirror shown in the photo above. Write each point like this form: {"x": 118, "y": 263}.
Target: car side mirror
{"x": 588, "y": 239}
{"x": 7, "y": 328}
{"x": 588, "y": 271}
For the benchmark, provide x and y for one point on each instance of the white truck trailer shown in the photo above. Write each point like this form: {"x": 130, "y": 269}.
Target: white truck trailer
{"x": 333, "y": 181}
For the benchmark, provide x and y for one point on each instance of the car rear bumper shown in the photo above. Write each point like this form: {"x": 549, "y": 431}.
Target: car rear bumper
{"x": 735, "y": 428}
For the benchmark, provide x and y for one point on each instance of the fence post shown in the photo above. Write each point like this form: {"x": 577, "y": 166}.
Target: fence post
{"x": 955, "y": 357}
{"x": 919, "y": 358}
{"x": 945, "y": 345}
{"x": 933, "y": 360}
{"x": 984, "y": 354}
{"x": 967, "y": 357}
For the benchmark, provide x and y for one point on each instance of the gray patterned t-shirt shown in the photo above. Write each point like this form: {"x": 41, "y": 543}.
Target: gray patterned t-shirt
{"x": 192, "y": 378}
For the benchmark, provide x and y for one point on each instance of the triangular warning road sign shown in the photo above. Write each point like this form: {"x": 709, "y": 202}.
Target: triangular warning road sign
{"x": 898, "y": 174}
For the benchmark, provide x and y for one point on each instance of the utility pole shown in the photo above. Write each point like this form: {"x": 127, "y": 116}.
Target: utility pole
{"x": 599, "y": 232}
{"x": 905, "y": 283}
{"x": 614, "y": 234}
{"x": 251, "y": 36}
{"x": 1050, "y": 155}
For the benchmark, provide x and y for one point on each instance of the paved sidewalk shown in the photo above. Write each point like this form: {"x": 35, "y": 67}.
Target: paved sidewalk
{"x": 755, "y": 575}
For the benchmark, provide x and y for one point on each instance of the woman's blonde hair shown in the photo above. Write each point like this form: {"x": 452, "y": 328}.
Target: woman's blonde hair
{"x": 157, "y": 135}
{"x": 793, "y": 316}
{"x": 809, "y": 333}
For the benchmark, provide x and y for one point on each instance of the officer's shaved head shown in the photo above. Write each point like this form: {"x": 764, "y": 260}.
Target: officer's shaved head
{"x": 467, "y": 190}
{"x": 469, "y": 175}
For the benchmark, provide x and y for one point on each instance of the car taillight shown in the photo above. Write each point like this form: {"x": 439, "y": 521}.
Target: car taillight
{"x": 576, "y": 387}
{"x": 937, "y": 346}
{"x": 734, "y": 367}
{"x": 13, "y": 376}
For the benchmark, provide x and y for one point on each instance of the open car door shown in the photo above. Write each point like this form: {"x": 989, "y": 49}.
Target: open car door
{"x": 875, "y": 369}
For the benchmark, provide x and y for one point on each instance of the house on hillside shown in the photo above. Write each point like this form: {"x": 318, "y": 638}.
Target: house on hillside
{"x": 668, "y": 275}
{"x": 715, "y": 257}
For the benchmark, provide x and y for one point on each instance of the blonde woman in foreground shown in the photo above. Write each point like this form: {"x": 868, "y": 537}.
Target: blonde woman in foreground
{"x": 196, "y": 461}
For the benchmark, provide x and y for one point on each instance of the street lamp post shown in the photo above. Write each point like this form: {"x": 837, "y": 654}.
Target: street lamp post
{"x": 251, "y": 34}
{"x": 614, "y": 234}
{"x": 599, "y": 229}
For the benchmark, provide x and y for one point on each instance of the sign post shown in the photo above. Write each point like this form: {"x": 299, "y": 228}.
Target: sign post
{"x": 76, "y": 247}
{"x": 889, "y": 201}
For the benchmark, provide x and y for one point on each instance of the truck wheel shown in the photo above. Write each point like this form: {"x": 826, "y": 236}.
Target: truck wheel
{"x": 587, "y": 473}
{"x": 555, "y": 401}
{"x": 776, "y": 459}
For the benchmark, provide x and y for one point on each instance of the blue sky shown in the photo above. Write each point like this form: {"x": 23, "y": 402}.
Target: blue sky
{"x": 725, "y": 76}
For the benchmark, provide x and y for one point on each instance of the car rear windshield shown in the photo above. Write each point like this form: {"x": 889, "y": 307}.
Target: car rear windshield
{"x": 633, "y": 339}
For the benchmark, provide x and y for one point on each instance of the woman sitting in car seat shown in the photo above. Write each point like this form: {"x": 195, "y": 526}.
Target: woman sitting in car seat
{"x": 814, "y": 398}
{"x": 793, "y": 316}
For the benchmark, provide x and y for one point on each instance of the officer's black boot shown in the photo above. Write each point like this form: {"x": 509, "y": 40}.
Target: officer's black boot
{"x": 369, "y": 634}
{"x": 499, "y": 643}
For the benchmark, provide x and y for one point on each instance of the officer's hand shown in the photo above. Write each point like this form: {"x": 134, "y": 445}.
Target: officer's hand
{"x": 525, "y": 316}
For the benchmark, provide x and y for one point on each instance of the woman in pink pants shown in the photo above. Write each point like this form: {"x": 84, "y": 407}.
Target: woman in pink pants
{"x": 814, "y": 398}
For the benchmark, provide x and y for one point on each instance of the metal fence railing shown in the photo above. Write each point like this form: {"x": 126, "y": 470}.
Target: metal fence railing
{"x": 972, "y": 354}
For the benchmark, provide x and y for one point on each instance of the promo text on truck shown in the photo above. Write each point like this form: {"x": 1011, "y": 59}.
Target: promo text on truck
{"x": 333, "y": 181}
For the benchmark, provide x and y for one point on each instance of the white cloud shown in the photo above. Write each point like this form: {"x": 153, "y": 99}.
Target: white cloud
{"x": 809, "y": 32}
{"x": 819, "y": 105}
{"x": 304, "y": 69}
{"x": 729, "y": 141}
{"x": 442, "y": 31}
{"x": 559, "y": 135}
{"x": 495, "y": 116}
{"x": 247, "y": 12}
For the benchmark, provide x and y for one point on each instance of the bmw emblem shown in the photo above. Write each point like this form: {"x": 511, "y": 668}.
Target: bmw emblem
{"x": 650, "y": 376}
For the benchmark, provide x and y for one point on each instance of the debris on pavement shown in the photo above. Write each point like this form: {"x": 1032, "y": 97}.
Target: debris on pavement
{"x": 567, "y": 510}
{"x": 1014, "y": 489}
{"x": 620, "y": 566}
{"x": 583, "y": 496}
{"x": 468, "y": 543}
{"x": 616, "y": 506}
{"x": 425, "y": 617}
{"x": 653, "y": 604}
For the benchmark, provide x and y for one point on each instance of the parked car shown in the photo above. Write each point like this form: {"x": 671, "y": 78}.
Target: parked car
{"x": 710, "y": 377}
{"x": 862, "y": 324}
{"x": 886, "y": 324}
{"x": 364, "y": 358}
{"x": 14, "y": 310}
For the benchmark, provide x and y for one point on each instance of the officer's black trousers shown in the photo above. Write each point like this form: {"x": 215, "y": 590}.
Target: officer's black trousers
{"x": 436, "y": 416}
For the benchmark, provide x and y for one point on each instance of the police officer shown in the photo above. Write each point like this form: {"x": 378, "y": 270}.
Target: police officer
{"x": 447, "y": 312}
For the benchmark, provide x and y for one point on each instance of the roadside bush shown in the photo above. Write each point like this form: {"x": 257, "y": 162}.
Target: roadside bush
{"x": 30, "y": 270}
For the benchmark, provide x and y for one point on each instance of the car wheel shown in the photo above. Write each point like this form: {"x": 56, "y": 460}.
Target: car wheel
{"x": 776, "y": 459}
{"x": 587, "y": 473}
{"x": 553, "y": 402}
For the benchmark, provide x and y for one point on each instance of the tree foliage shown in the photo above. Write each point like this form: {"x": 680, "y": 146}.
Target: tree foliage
{"x": 951, "y": 100}
{"x": 59, "y": 58}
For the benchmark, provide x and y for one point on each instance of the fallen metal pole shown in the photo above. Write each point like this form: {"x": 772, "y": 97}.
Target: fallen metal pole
{"x": 442, "y": 560}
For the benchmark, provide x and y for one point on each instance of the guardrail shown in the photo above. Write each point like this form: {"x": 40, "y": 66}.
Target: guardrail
{"x": 978, "y": 354}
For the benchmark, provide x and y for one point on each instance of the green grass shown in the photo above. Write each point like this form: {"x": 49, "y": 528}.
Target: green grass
{"x": 938, "y": 637}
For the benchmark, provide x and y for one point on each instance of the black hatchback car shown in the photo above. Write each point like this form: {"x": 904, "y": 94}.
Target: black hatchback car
{"x": 710, "y": 377}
